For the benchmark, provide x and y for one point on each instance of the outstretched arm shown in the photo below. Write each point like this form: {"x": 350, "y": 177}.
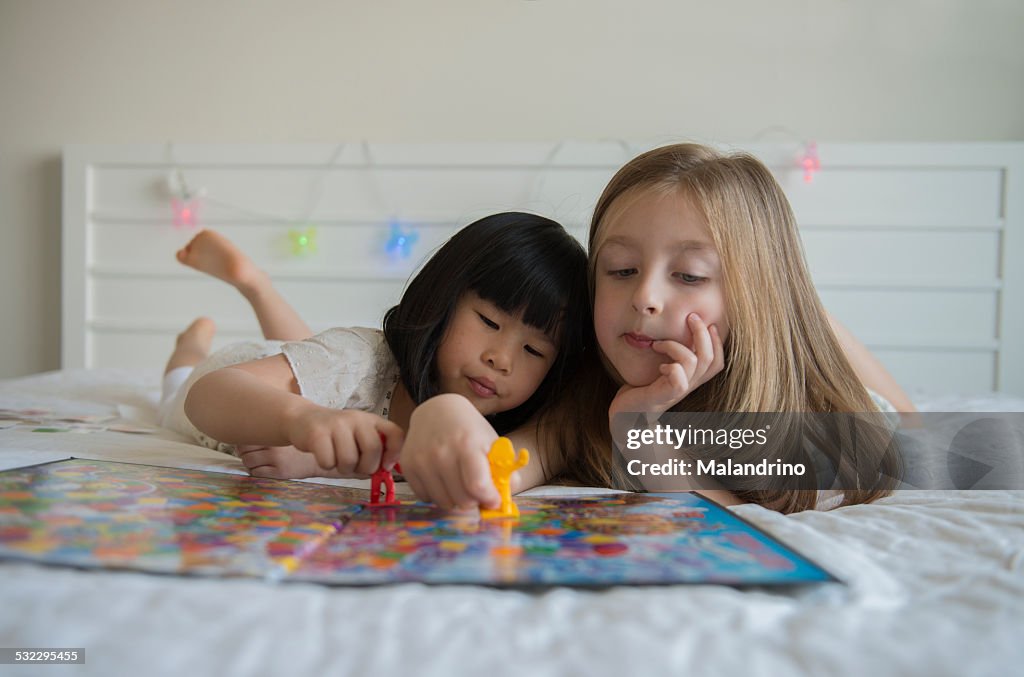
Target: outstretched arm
{"x": 869, "y": 370}
{"x": 257, "y": 403}
{"x": 249, "y": 403}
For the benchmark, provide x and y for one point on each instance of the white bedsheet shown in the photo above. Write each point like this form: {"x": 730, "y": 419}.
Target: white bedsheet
{"x": 935, "y": 585}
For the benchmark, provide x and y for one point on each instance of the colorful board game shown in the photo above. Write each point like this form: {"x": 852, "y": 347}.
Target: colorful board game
{"x": 97, "y": 514}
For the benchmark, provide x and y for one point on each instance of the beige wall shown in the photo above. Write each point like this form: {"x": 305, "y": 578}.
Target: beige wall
{"x": 112, "y": 71}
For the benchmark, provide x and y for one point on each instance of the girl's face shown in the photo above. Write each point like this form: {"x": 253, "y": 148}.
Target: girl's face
{"x": 656, "y": 263}
{"x": 492, "y": 358}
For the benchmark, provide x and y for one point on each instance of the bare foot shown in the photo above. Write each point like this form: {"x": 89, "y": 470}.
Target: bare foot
{"x": 212, "y": 253}
{"x": 282, "y": 463}
{"x": 193, "y": 344}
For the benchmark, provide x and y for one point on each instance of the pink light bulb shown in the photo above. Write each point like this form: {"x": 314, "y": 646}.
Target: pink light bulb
{"x": 186, "y": 212}
{"x": 810, "y": 161}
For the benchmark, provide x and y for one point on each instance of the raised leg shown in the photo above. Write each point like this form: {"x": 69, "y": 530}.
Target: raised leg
{"x": 212, "y": 253}
{"x": 192, "y": 345}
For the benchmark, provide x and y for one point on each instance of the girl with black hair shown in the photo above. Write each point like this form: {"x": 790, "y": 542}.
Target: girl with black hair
{"x": 498, "y": 317}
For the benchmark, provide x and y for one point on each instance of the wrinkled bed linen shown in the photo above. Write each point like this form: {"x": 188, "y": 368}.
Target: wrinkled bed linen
{"x": 934, "y": 584}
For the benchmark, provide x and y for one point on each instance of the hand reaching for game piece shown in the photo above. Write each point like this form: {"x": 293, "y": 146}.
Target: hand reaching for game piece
{"x": 444, "y": 457}
{"x": 349, "y": 441}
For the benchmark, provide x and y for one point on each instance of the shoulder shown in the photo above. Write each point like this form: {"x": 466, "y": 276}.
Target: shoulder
{"x": 358, "y": 334}
{"x": 357, "y": 352}
{"x": 235, "y": 353}
{"x": 343, "y": 367}
{"x": 345, "y": 340}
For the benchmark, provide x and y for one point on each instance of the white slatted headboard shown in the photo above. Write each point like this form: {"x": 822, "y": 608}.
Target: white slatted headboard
{"x": 918, "y": 248}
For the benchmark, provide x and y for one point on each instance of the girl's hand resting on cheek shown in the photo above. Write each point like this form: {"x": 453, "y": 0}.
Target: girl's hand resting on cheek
{"x": 444, "y": 457}
{"x": 689, "y": 369}
{"x": 346, "y": 440}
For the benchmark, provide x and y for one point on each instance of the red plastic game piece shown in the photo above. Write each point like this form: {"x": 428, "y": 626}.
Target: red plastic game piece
{"x": 386, "y": 477}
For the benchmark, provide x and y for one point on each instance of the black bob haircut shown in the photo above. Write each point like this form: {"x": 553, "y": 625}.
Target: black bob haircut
{"x": 526, "y": 265}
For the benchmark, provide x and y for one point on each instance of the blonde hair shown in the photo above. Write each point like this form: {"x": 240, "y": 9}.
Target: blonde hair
{"x": 780, "y": 355}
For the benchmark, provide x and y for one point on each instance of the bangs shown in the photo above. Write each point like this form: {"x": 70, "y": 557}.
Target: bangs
{"x": 535, "y": 290}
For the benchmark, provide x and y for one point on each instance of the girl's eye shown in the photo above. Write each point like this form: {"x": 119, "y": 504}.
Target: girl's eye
{"x": 622, "y": 272}
{"x": 533, "y": 351}
{"x": 488, "y": 321}
{"x": 689, "y": 279}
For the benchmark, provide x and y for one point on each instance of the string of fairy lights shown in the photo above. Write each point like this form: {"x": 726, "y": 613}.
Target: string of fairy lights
{"x": 188, "y": 202}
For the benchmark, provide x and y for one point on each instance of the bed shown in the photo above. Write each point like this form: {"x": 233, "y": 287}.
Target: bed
{"x": 934, "y": 584}
{"x": 933, "y": 581}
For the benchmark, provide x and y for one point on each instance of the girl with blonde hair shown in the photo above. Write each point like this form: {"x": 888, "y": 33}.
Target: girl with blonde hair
{"x": 702, "y": 302}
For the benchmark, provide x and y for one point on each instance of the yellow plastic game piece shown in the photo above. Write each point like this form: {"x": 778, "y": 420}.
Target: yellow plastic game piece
{"x": 504, "y": 461}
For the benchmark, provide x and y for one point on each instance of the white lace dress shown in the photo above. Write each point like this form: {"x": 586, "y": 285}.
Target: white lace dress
{"x": 341, "y": 368}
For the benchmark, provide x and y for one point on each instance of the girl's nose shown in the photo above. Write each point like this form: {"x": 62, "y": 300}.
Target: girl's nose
{"x": 498, "y": 358}
{"x": 646, "y": 297}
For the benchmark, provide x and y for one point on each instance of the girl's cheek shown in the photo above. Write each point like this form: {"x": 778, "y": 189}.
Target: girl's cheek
{"x": 600, "y": 307}
{"x": 680, "y": 312}
{"x": 602, "y": 323}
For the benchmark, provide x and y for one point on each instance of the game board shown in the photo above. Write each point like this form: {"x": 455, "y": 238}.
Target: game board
{"x": 115, "y": 515}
